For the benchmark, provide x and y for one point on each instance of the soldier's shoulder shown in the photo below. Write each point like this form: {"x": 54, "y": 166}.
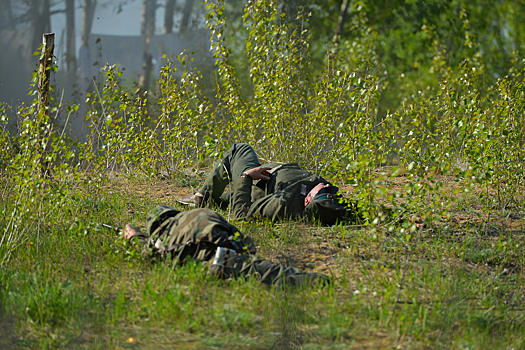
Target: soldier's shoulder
{"x": 158, "y": 214}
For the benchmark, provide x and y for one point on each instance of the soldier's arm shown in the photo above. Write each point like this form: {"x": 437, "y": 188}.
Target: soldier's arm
{"x": 242, "y": 190}
{"x": 242, "y": 196}
{"x": 131, "y": 232}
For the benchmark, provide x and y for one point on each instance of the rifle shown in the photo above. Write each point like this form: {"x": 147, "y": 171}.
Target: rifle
{"x": 113, "y": 228}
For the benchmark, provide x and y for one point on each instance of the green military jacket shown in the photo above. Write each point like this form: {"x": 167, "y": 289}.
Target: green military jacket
{"x": 281, "y": 197}
{"x": 195, "y": 233}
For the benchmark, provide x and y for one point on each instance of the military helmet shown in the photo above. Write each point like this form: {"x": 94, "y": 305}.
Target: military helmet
{"x": 157, "y": 215}
{"x": 328, "y": 207}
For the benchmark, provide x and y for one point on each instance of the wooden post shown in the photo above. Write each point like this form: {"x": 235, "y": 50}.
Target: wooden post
{"x": 44, "y": 75}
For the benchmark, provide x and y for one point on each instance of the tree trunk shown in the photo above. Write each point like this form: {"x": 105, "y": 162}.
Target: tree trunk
{"x": 144, "y": 14}
{"x": 341, "y": 20}
{"x": 6, "y": 15}
{"x": 46, "y": 17}
{"x": 70, "y": 41}
{"x": 188, "y": 8}
{"x": 87, "y": 20}
{"x": 84, "y": 58}
{"x": 168, "y": 17}
{"x": 149, "y": 8}
{"x": 41, "y": 20}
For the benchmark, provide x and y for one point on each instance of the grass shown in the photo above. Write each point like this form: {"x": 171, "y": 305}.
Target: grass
{"x": 455, "y": 284}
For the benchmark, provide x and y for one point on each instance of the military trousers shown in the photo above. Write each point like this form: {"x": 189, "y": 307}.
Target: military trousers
{"x": 251, "y": 266}
{"x": 239, "y": 158}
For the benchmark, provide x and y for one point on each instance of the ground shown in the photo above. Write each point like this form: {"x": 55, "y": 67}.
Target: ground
{"x": 317, "y": 248}
{"x": 455, "y": 283}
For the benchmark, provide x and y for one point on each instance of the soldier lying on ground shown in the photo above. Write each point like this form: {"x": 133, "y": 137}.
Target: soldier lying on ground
{"x": 204, "y": 235}
{"x": 274, "y": 190}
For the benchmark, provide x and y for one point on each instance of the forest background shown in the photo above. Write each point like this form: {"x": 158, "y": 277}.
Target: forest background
{"x": 415, "y": 105}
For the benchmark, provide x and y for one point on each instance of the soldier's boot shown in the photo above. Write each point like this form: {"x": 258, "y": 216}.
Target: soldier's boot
{"x": 192, "y": 200}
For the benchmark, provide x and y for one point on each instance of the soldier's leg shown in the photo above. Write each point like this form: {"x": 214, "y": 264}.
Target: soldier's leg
{"x": 268, "y": 273}
{"x": 239, "y": 158}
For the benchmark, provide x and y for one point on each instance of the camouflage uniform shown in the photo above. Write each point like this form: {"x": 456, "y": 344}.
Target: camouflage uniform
{"x": 198, "y": 233}
{"x": 280, "y": 197}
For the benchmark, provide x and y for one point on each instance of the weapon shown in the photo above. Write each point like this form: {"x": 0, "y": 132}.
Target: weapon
{"x": 113, "y": 228}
